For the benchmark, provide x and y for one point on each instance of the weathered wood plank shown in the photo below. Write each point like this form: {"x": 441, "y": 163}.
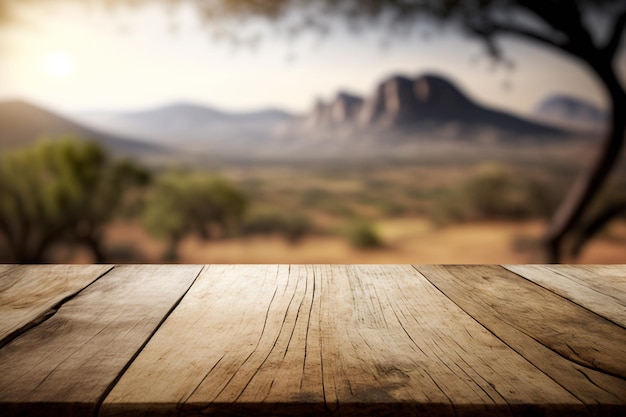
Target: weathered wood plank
{"x": 572, "y": 345}
{"x": 600, "y": 288}
{"x": 6, "y": 267}
{"x": 65, "y": 365}
{"x": 6, "y": 279}
{"x": 328, "y": 340}
{"x": 30, "y": 292}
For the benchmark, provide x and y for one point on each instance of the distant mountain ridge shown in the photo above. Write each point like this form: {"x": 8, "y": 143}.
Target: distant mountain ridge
{"x": 421, "y": 107}
{"x": 402, "y": 113}
{"x": 428, "y": 101}
{"x": 196, "y": 113}
{"x": 188, "y": 123}
{"x": 22, "y": 123}
{"x": 564, "y": 109}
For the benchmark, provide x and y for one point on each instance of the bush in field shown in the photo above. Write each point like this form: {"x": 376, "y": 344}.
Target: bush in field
{"x": 61, "y": 191}
{"x": 183, "y": 203}
{"x": 493, "y": 192}
{"x": 391, "y": 209}
{"x": 362, "y": 235}
{"x": 326, "y": 201}
{"x": 292, "y": 227}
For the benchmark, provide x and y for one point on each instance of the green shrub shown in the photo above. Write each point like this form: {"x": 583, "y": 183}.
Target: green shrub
{"x": 292, "y": 227}
{"x": 391, "y": 209}
{"x": 363, "y": 235}
{"x": 314, "y": 196}
{"x": 493, "y": 192}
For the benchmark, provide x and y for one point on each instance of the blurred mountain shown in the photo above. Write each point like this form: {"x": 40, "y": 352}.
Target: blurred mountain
{"x": 188, "y": 125}
{"x": 343, "y": 109}
{"x": 573, "y": 112}
{"x": 22, "y": 124}
{"x": 428, "y": 103}
{"x": 401, "y": 114}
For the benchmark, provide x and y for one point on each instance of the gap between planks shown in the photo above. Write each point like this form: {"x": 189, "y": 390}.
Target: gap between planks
{"x": 132, "y": 359}
{"x": 600, "y": 289}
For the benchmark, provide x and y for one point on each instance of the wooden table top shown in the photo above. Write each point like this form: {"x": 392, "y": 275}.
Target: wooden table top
{"x": 278, "y": 340}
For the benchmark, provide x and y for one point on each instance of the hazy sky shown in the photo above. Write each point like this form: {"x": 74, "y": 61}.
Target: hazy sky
{"x": 74, "y": 59}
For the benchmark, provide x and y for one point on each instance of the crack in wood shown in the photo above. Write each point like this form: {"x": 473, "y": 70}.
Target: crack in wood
{"x": 49, "y": 313}
{"x": 578, "y": 393}
{"x": 319, "y": 339}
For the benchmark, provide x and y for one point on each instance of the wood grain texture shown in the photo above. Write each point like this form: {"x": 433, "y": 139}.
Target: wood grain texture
{"x": 575, "y": 347}
{"x": 30, "y": 292}
{"x": 65, "y": 365}
{"x": 600, "y": 288}
{"x": 328, "y": 340}
{"x": 6, "y": 267}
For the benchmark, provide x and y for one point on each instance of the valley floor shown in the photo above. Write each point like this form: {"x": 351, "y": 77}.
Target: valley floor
{"x": 405, "y": 240}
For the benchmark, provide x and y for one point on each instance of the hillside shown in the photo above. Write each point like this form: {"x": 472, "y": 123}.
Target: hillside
{"x": 23, "y": 123}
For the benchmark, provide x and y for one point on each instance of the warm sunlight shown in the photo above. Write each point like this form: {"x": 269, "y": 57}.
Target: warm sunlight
{"x": 59, "y": 64}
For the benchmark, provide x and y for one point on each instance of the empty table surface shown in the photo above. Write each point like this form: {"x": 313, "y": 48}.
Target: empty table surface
{"x": 344, "y": 340}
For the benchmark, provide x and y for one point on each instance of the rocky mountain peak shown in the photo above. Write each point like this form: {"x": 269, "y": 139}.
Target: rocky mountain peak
{"x": 437, "y": 92}
{"x": 404, "y": 103}
{"x": 400, "y": 101}
{"x": 345, "y": 107}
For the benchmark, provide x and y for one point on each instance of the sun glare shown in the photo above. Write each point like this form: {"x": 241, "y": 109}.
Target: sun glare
{"x": 59, "y": 65}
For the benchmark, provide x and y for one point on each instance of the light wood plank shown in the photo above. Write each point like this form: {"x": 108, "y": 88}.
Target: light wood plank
{"x": 572, "y": 345}
{"x": 5, "y": 277}
{"x": 600, "y": 288}
{"x": 6, "y": 267}
{"x": 65, "y": 365}
{"x": 323, "y": 340}
{"x": 30, "y": 292}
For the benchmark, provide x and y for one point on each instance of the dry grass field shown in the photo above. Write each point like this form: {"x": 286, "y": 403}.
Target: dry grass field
{"x": 405, "y": 240}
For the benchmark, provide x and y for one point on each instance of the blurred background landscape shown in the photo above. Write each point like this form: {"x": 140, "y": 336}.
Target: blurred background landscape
{"x": 136, "y": 134}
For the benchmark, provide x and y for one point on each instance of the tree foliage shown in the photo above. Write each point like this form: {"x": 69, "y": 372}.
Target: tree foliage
{"x": 60, "y": 191}
{"x": 182, "y": 203}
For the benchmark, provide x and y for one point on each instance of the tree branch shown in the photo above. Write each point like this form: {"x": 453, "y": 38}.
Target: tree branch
{"x": 577, "y": 45}
{"x": 523, "y": 32}
{"x": 566, "y": 20}
{"x": 526, "y": 33}
{"x": 616, "y": 35}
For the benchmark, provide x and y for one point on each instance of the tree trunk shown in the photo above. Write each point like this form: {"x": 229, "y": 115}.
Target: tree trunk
{"x": 96, "y": 249}
{"x": 27, "y": 252}
{"x": 171, "y": 252}
{"x": 587, "y": 187}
